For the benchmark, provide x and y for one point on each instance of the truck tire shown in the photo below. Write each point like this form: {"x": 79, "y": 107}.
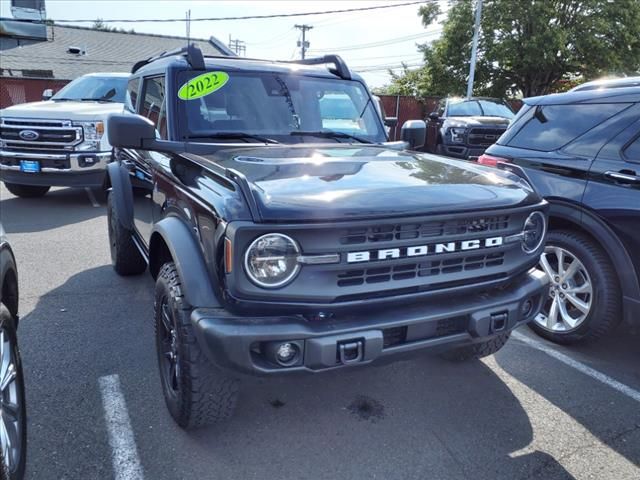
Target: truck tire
{"x": 196, "y": 392}
{"x": 16, "y": 421}
{"x": 125, "y": 256}
{"x": 477, "y": 350}
{"x": 593, "y": 283}
{"x": 26, "y": 191}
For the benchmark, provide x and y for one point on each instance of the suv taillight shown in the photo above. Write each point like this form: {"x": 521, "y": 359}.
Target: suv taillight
{"x": 491, "y": 161}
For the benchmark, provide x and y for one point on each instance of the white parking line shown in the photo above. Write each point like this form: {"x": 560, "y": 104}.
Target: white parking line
{"x": 92, "y": 197}
{"x": 124, "y": 454}
{"x": 581, "y": 367}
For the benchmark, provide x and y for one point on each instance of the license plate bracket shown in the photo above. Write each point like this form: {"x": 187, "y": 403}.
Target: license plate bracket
{"x": 30, "y": 166}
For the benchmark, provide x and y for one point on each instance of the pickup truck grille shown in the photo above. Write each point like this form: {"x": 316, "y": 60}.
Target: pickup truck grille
{"x": 484, "y": 137}
{"x": 31, "y": 135}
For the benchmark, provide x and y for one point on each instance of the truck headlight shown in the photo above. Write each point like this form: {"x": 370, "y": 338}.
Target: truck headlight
{"x": 92, "y": 132}
{"x": 272, "y": 260}
{"x": 457, "y": 135}
{"x": 533, "y": 232}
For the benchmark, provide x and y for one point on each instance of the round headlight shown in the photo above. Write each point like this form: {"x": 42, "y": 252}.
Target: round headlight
{"x": 272, "y": 260}
{"x": 535, "y": 228}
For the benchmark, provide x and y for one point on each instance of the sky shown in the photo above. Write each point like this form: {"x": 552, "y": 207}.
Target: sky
{"x": 347, "y": 34}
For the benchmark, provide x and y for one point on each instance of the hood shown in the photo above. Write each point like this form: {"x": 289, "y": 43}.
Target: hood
{"x": 476, "y": 121}
{"x": 320, "y": 183}
{"x": 83, "y": 111}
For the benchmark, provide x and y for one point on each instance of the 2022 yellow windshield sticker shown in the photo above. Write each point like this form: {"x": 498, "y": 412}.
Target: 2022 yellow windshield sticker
{"x": 203, "y": 85}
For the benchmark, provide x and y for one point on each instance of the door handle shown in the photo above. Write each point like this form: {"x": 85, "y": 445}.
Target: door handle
{"x": 623, "y": 177}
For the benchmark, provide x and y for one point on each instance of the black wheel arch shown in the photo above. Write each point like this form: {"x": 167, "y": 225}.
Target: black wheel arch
{"x": 564, "y": 214}
{"x": 173, "y": 240}
{"x": 122, "y": 193}
{"x": 9, "y": 294}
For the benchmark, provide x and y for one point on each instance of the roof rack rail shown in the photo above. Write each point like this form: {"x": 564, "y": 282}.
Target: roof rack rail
{"x": 341, "y": 68}
{"x": 192, "y": 53}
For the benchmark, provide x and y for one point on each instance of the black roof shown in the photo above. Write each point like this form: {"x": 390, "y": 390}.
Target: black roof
{"x": 614, "y": 95}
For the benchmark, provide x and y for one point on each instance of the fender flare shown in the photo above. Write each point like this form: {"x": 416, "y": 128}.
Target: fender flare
{"x": 602, "y": 233}
{"x": 186, "y": 253}
{"x": 121, "y": 193}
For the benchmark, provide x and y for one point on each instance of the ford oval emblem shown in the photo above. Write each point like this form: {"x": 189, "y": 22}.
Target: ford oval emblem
{"x": 28, "y": 135}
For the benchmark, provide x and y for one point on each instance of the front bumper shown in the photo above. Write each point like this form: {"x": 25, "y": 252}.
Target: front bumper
{"x": 85, "y": 169}
{"x": 246, "y": 344}
{"x": 462, "y": 151}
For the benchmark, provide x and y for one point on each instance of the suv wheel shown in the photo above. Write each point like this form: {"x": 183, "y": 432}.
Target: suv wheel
{"x": 13, "y": 422}
{"x": 26, "y": 191}
{"x": 196, "y": 392}
{"x": 125, "y": 256}
{"x": 477, "y": 350}
{"x": 584, "y": 299}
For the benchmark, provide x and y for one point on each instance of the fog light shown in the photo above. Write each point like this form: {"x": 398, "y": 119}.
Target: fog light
{"x": 286, "y": 353}
{"x": 527, "y": 308}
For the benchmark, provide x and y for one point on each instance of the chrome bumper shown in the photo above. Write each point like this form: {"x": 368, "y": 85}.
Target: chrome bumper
{"x": 102, "y": 158}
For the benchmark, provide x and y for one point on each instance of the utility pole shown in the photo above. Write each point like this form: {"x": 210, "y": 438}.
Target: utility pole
{"x": 188, "y": 25}
{"x": 238, "y": 46}
{"x": 474, "y": 48}
{"x": 303, "y": 44}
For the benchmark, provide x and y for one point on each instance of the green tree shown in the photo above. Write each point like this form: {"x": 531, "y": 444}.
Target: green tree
{"x": 530, "y": 47}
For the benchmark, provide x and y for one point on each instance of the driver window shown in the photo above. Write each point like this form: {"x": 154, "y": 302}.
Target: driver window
{"x": 154, "y": 106}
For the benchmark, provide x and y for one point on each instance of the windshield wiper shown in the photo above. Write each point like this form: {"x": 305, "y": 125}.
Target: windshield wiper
{"x": 234, "y": 135}
{"x": 331, "y": 134}
{"x": 101, "y": 99}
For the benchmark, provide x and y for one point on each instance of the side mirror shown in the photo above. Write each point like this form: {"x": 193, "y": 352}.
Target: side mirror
{"x": 47, "y": 94}
{"x": 434, "y": 117}
{"x": 391, "y": 121}
{"x": 414, "y": 132}
{"x": 130, "y": 131}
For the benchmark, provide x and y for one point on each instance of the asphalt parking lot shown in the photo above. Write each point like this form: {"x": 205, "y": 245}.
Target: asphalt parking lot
{"x": 96, "y": 409}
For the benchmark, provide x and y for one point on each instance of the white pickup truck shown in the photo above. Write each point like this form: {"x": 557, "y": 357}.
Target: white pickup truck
{"x": 60, "y": 141}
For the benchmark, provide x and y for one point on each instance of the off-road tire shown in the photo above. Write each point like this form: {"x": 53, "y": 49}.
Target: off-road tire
{"x": 204, "y": 393}
{"x": 125, "y": 256}
{"x": 26, "y": 191}
{"x": 606, "y": 308}
{"x": 8, "y": 323}
{"x": 477, "y": 350}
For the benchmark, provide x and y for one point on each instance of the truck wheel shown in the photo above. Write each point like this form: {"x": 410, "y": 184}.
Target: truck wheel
{"x": 196, "y": 392}
{"x": 14, "y": 421}
{"x": 125, "y": 256}
{"x": 477, "y": 350}
{"x": 26, "y": 191}
{"x": 584, "y": 300}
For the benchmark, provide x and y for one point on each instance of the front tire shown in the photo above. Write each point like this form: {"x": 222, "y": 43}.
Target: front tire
{"x": 13, "y": 440}
{"x": 477, "y": 350}
{"x": 584, "y": 302}
{"x": 196, "y": 392}
{"x": 125, "y": 256}
{"x": 26, "y": 191}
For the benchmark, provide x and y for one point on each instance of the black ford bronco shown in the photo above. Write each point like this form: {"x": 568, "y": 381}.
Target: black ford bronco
{"x": 283, "y": 239}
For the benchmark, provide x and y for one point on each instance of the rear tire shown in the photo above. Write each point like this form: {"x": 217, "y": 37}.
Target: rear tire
{"x": 477, "y": 350}
{"x": 196, "y": 392}
{"x": 596, "y": 276}
{"x": 26, "y": 191}
{"x": 14, "y": 394}
{"x": 125, "y": 256}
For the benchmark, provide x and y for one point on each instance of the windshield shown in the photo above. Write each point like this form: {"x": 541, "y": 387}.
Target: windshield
{"x": 111, "y": 89}
{"x": 482, "y": 108}
{"x": 285, "y": 107}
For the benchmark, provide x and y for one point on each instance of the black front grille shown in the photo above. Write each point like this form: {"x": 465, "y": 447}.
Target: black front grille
{"x": 409, "y": 231}
{"x": 484, "y": 136}
{"x": 408, "y": 271}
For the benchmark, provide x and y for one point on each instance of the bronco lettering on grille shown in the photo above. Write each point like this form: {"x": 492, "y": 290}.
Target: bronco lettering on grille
{"x": 423, "y": 250}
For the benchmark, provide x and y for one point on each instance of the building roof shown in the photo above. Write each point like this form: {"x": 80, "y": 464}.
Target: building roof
{"x": 100, "y": 51}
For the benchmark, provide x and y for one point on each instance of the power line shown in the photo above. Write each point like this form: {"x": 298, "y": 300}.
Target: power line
{"x": 218, "y": 19}
{"x": 381, "y": 43}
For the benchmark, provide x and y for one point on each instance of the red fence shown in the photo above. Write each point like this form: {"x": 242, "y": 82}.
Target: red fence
{"x": 22, "y": 90}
